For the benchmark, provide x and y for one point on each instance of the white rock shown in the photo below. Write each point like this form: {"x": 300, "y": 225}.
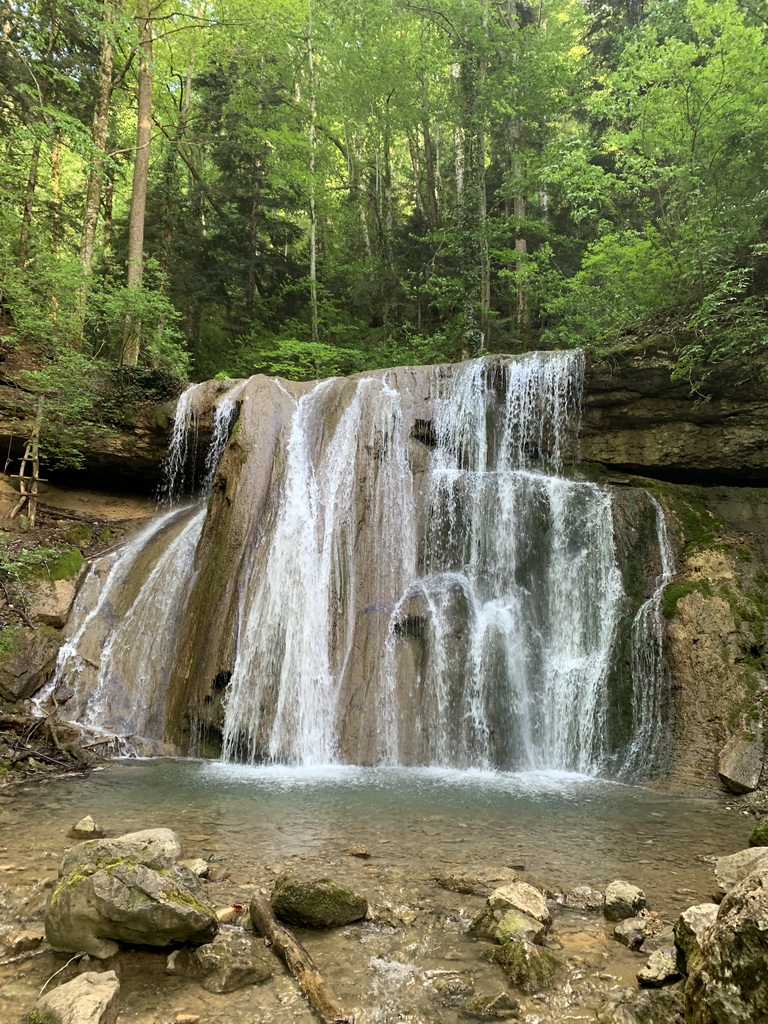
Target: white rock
{"x": 523, "y": 897}
{"x": 734, "y": 868}
{"x": 88, "y": 999}
{"x": 157, "y": 841}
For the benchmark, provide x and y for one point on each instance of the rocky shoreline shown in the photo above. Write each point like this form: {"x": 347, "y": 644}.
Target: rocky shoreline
{"x": 485, "y": 945}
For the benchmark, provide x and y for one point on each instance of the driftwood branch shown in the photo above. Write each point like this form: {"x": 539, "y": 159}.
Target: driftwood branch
{"x": 299, "y": 963}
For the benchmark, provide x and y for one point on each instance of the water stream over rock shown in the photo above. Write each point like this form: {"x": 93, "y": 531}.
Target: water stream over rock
{"x": 400, "y": 568}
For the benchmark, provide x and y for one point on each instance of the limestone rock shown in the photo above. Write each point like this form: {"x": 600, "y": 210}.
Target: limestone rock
{"x": 520, "y": 896}
{"x": 86, "y": 828}
{"x": 530, "y": 968}
{"x": 232, "y": 961}
{"x": 498, "y": 1007}
{"x": 91, "y": 998}
{"x": 449, "y": 988}
{"x": 358, "y": 850}
{"x": 622, "y": 900}
{"x": 691, "y": 928}
{"x": 316, "y": 902}
{"x": 116, "y": 891}
{"x": 474, "y": 883}
{"x": 28, "y": 660}
{"x": 729, "y": 984}
{"x": 500, "y": 925}
{"x": 631, "y": 932}
{"x": 23, "y": 941}
{"x": 197, "y": 866}
{"x": 49, "y": 601}
{"x": 659, "y": 970}
{"x": 163, "y": 841}
{"x": 734, "y": 868}
{"x": 584, "y": 897}
{"x": 741, "y": 759}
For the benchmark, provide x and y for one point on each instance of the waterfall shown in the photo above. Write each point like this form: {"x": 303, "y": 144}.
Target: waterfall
{"x": 182, "y": 447}
{"x": 399, "y": 568}
{"x": 651, "y": 713}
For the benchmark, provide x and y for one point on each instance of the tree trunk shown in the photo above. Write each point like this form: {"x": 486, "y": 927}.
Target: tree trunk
{"x": 29, "y": 199}
{"x": 313, "y": 307}
{"x": 299, "y": 963}
{"x": 131, "y": 344}
{"x": 99, "y": 128}
{"x": 429, "y": 156}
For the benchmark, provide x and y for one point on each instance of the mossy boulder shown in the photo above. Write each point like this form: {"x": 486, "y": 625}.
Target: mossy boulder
{"x": 316, "y": 902}
{"x": 114, "y": 890}
{"x": 234, "y": 960}
{"x": 501, "y": 925}
{"x": 27, "y": 658}
{"x": 530, "y": 968}
{"x": 759, "y": 834}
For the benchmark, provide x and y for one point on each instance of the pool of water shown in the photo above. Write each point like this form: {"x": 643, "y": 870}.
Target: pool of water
{"x": 566, "y": 830}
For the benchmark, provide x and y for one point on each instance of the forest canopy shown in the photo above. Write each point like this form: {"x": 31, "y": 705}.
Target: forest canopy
{"x": 313, "y": 187}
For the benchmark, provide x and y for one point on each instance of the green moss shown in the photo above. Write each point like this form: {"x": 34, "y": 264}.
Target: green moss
{"x": 676, "y": 591}
{"x": 759, "y": 834}
{"x": 79, "y": 535}
{"x": 66, "y": 565}
{"x": 529, "y": 968}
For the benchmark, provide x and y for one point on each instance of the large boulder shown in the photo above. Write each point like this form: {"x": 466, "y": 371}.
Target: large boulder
{"x": 502, "y": 925}
{"x": 90, "y": 998}
{"x": 741, "y": 759}
{"x": 232, "y": 961}
{"x": 115, "y": 890}
{"x": 528, "y": 967}
{"x": 729, "y": 984}
{"x": 691, "y": 928}
{"x": 522, "y": 897}
{"x": 731, "y": 871}
{"x": 316, "y": 902}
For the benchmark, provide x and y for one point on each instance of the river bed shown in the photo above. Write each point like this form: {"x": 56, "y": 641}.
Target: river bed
{"x": 559, "y": 830}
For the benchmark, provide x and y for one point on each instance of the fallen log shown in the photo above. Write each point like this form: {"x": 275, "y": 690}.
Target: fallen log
{"x": 299, "y": 963}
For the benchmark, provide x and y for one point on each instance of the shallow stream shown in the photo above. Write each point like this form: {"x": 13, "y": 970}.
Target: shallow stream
{"x": 566, "y": 830}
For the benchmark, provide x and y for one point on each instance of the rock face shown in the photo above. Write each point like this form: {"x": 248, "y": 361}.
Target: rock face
{"x": 691, "y": 929}
{"x": 622, "y": 900}
{"x": 712, "y": 630}
{"x": 90, "y": 998}
{"x": 115, "y": 890}
{"x": 316, "y": 902}
{"x": 741, "y": 759}
{"x": 29, "y": 662}
{"x": 729, "y": 985}
{"x": 637, "y": 419}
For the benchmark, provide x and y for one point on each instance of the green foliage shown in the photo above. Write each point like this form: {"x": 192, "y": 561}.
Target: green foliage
{"x": 26, "y": 563}
{"x": 625, "y": 279}
{"x": 80, "y": 393}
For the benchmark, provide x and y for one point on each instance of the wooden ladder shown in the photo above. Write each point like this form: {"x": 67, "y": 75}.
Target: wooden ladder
{"x": 31, "y": 458}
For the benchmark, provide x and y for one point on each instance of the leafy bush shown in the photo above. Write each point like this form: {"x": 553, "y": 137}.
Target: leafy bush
{"x": 625, "y": 278}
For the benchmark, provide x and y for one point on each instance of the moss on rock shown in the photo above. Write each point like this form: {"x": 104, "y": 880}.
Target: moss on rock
{"x": 316, "y": 902}
{"x": 759, "y": 834}
{"x": 529, "y": 968}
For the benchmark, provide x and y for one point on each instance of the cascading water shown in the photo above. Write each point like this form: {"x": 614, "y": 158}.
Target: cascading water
{"x": 394, "y": 569}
